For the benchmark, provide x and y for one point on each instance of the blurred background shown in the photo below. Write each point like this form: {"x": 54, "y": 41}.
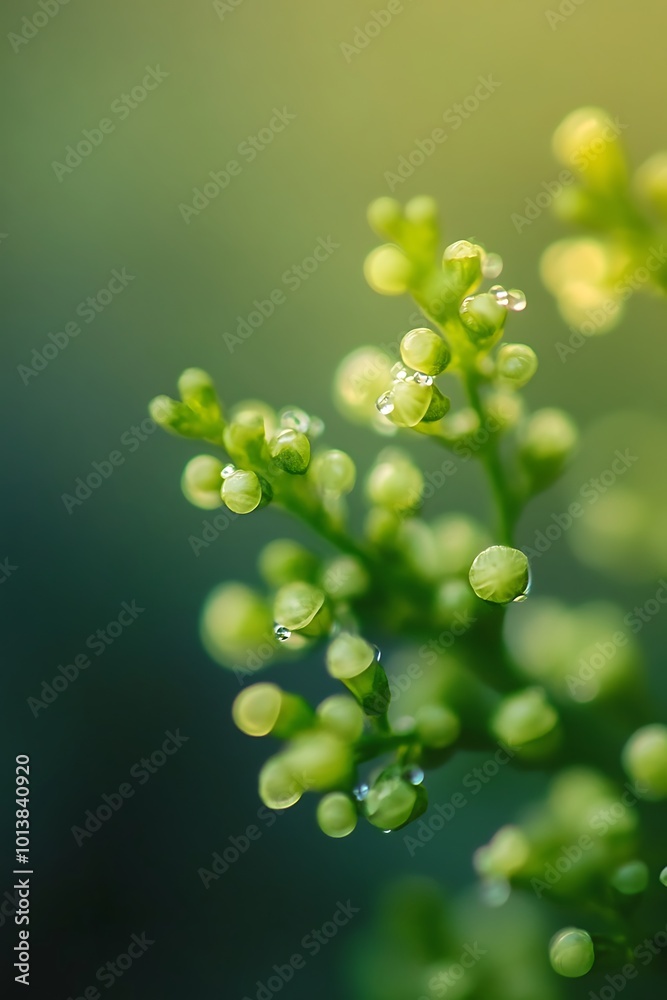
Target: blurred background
{"x": 170, "y": 273}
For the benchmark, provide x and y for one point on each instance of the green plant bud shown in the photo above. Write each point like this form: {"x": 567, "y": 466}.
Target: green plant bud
{"x": 394, "y": 482}
{"x": 500, "y": 574}
{"x": 278, "y": 788}
{"x": 524, "y": 717}
{"x": 353, "y": 661}
{"x": 462, "y": 263}
{"x": 651, "y": 181}
{"x": 546, "y": 442}
{"x": 264, "y": 709}
{"x": 201, "y": 482}
{"x": 516, "y": 364}
{"x": 438, "y": 406}
{"x": 453, "y": 600}
{"x": 416, "y": 542}
{"x": 387, "y": 270}
{"x": 196, "y": 388}
{"x": 505, "y": 855}
{"x": 245, "y": 491}
{"x": 344, "y": 578}
{"x": 360, "y": 378}
{"x": 336, "y": 814}
{"x": 385, "y": 216}
{"x": 319, "y": 761}
{"x": 458, "y": 540}
{"x": 178, "y": 418}
{"x": 290, "y": 450}
{"x": 587, "y": 140}
{"x": 284, "y": 561}
{"x": 393, "y": 801}
{"x": 436, "y": 726}
{"x": 504, "y": 410}
{"x": 334, "y": 472}
{"x": 301, "y": 607}
{"x": 631, "y": 878}
{"x": 251, "y": 411}
{"x": 425, "y": 351}
{"x": 245, "y": 438}
{"x": 406, "y": 403}
{"x": 663, "y": 876}
{"x": 342, "y": 716}
{"x": 483, "y": 317}
{"x": 645, "y": 759}
{"x": 422, "y": 210}
{"x": 237, "y": 627}
{"x": 571, "y": 952}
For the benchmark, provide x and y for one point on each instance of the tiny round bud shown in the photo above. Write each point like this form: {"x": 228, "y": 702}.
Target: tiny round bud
{"x": 196, "y": 386}
{"x": 336, "y": 814}
{"x": 342, "y": 716}
{"x": 394, "y": 482}
{"x": 345, "y": 577}
{"x": 301, "y": 607}
{"x": 349, "y": 655}
{"x": 500, "y": 574}
{"x": 407, "y": 403}
{"x": 645, "y": 759}
{"x": 177, "y": 417}
{"x": 360, "y": 378}
{"x": 201, "y": 482}
{"x": 235, "y": 622}
{"x": 588, "y": 140}
{"x": 462, "y": 264}
{"x": 290, "y": 450}
{"x": 571, "y": 952}
{"x": 422, "y": 210}
{"x": 385, "y": 217}
{"x": 547, "y": 440}
{"x": 334, "y": 471}
{"x": 438, "y": 406}
{"x": 244, "y": 492}
{"x": 516, "y": 364}
{"x": 524, "y": 717}
{"x": 631, "y": 878}
{"x": 265, "y": 708}
{"x": 319, "y": 761}
{"x": 393, "y": 801}
{"x": 284, "y": 561}
{"x": 663, "y": 876}
{"x": 505, "y": 855}
{"x": 454, "y": 600}
{"x": 483, "y": 317}
{"x": 458, "y": 539}
{"x": 425, "y": 351}
{"x": 387, "y": 270}
{"x": 278, "y": 788}
{"x": 436, "y": 726}
{"x": 651, "y": 181}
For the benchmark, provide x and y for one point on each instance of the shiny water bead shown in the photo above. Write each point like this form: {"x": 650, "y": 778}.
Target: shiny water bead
{"x": 399, "y": 372}
{"x": 316, "y": 428}
{"x": 334, "y": 472}
{"x": 336, "y": 814}
{"x": 290, "y": 450}
{"x": 385, "y": 403}
{"x": 385, "y": 216}
{"x": 505, "y": 855}
{"x": 300, "y": 606}
{"x": 392, "y": 801}
{"x": 394, "y": 482}
{"x": 516, "y": 300}
{"x": 523, "y": 717}
{"x": 265, "y": 708}
{"x": 278, "y": 787}
{"x": 492, "y": 265}
{"x": 436, "y": 726}
{"x": 292, "y": 418}
{"x": 500, "y": 294}
{"x": 422, "y": 379}
{"x": 516, "y": 364}
{"x": 342, "y": 716}
{"x": 319, "y": 760}
{"x": 388, "y": 270}
{"x": 281, "y": 633}
{"x": 361, "y": 791}
{"x": 571, "y": 952}
{"x": 425, "y": 351}
{"x": 228, "y": 470}
{"x": 236, "y": 622}
{"x": 200, "y": 481}
{"x": 244, "y": 492}
{"x": 410, "y": 402}
{"x": 483, "y": 316}
{"x": 283, "y": 561}
{"x": 631, "y": 878}
{"x": 462, "y": 261}
{"x": 645, "y": 759}
{"x": 500, "y": 574}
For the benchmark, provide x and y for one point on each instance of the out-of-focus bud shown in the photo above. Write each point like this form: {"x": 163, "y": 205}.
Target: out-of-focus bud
{"x": 462, "y": 264}
{"x": 198, "y": 391}
{"x": 284, "y": 561}
{"x": 278, "y": 788}
{"x": 382, "y": 526}
{"x": 301, "y": 607}
{"x": 571, "y": 952}
{"x": 290, "y": 450}
{"x": 388, "y": 270}
{"x": 342, "y": 716}
{"x": 458, "y": 540}
{"x": 394, "y": 482}
{"x": 393, "y": 800}
{"x": 425, "y": 351}
{"x": 386, "y": 217}
{"x": 344, "y": 578}
{"x": 500, "y": 574}
{"x": 631, "y": 878}
{"x": 354, "y": 661}
{"x": 436, "y": 726}
{"x": 336, "y": 814}
{"x": 264, "y": 709}
{"x": 516, "y": 364}
{"x": 201, "y": 482}
{"x": 361, "y": 377}
{"x": 422, "y": 211}
{"x": 505, "y": 854}
{"x": 651, "y": 182}
{"x": 453, "y": 601}
{"x": 645, "y": 760}
{"x": 245, "y": 491}
{"x": 334, "y": 471}
{"x": 588, "y": 141}
{"x": 237, "y": 627}
{"x": 319, "y": 760}
{"x": 546, "y": 442}
{"x": 245, "y": 438}
{"x": 524, "y": 717}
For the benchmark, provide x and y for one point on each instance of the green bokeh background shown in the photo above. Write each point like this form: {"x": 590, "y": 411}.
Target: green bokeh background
{"x": 120, "y": 209}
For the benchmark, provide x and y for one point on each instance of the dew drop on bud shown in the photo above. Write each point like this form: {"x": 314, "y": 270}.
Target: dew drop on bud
{"x": 316, "y": 428}
{"x": 516, "y": 300}
{"x": 422, "y": 379}
{"x": 378, "y": 653}
{"x": 361, "y": 791}
{"x": 295, "y": 419}
{"x": 385, "y": 403}
{"x": 228, "y": 471}
{"x": 398, "y": 372}
{"x": 415, "y": 775}
{"x": 492, "y": 265}
{"x": 501, "y": 295}
{"x": 461, "y": 250}
{"x": 281, "y": 633}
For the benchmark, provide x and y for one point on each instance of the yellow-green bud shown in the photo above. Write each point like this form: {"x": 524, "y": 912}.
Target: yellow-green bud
{"x": 631, "y": 878}
{"x": 651, "y": 181}
{"x": 505, "y": 854}
{"x": 344, "y": 578}
{"x": 334, "y": 472}
{"x": 278, "y": 788}
{"x": 483, "y": 317}
{"x": 453, "y": 600}
{"x": 178, "y": 418}
{"x": 571, "y": 952}
{"x": 645, "y": 759}
{"x": 393, "y": 801}
{"x": 422, "y": 210}
{"x": 245, "y": 438}
{"x": 342, "y": 716}
{"x": 201, "y": 482}
{"x": 245, "y": 491}
{"x": 436, "y": 726}
{"x": 462, "y": 263}
{"x": 458, "y": 538}
{"x": 500, "y": 574}
{"x": 385, "y": 217}
{"x": 284, "y": 561}
{"x": 524, "y": 717}
{"x": 319, "y": 761}
{"x": 301, "y": 607}
{"x": 388, "y": 270}
{"x": 588, "y": 141}
{"x": 336, "y": 814}
{"x": 353, "y": 661}
{"x": 264, "y": 709}
{"x": 425, "y": 351}
{"x": 290, "y": 450}
{"x": 360, "y": 378}
{"x": 394, "y": 482}
{"x": 237, "y": 625}
{"x": 516, "y": 364}
{"x": 438, "y": 406}
{"x": 406, "y": 403}
{"x": 546, "y": 441}
{"x": 663, "y": 876}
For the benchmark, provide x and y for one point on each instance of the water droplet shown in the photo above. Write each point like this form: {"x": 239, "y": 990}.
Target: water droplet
{"x": 281, "y": 633}
{"x": 316, "y": 428}
{"x": 466, "y": 303}
{"x": 500, "y": 294}
{"x": 460, "y": 250}
{"x": 398, "y": 372}
{"x": 378, "y": 653}
{"x": 415, "y": 775}
{"x": 516, "y": 300}
{"x": 422, "y": 379}
{"x": 295, "y": 419}
{"x": 385, "y": 403}
{"x": 387, "y": 831}
{"x": 492, "y": 265}
{"x": 228, "y": 471}
{"x": 361, "y": 791}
